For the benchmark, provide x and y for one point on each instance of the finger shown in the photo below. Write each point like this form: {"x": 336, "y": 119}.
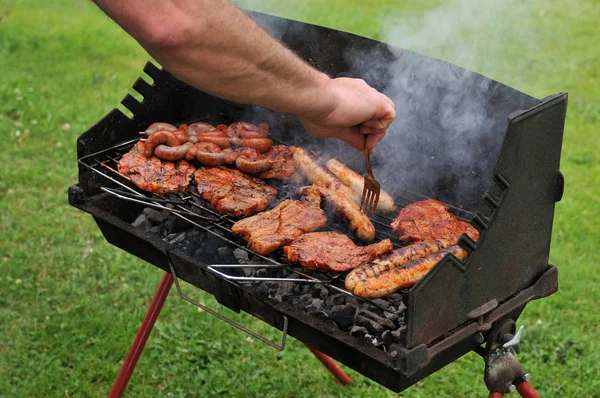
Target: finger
{"x": 367, "y": 130}
{"x": 388, "y": 100}
{"x": 353, "y": 137}
{"x": 374, "y": 123}
{"x": 372, "y": 140}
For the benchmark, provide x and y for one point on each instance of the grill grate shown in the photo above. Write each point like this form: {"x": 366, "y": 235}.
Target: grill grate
{"x": 190, "y": 207}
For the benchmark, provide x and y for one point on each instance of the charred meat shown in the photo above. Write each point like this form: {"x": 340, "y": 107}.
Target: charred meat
{"x": 429, "y": 219}
{"x": 270, "y": 230}
{"x": 332, "y": 251}
{"x": 232, "y": 192}
{"x": 153, "y": 174}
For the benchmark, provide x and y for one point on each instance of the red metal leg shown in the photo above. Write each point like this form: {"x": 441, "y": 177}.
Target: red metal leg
{"x": 496, "y": 395}
{"x": 332, "y": 366}
{"x": 527, "y": 391}
{"x": 142, "y": 336}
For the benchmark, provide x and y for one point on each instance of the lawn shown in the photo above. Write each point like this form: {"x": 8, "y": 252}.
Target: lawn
{"x": 70, "y": 303}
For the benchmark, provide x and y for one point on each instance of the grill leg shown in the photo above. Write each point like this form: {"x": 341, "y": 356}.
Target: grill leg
{"x": 332, "y": 366}
{"x": 142, "y": 336}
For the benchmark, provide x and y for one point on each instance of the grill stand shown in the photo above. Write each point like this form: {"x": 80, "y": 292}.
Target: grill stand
{"x": 135, "y": 351}
{"x": 503, "y": 372}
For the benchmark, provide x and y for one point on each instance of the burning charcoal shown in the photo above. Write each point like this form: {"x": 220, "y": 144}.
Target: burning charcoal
{"x": 381, "y": 303}
{"x": 343, "y": 315}
{"x": 387, "y": 338}
{"x": 198, "y": 253}
{"x": 319, "y": 314}
{"x": 370, "y": 325}
{"x": 155, "y": 216}
{"x": 373, "y": 340}
{"x": 225, "y": 252}
{"x": 399, "y": 333}
{"x": 319, "y": 291}
{"x": 155, "y": 230}
{"x": 358, "y": 331}
{"x": 380, "y": 321}
{"x": 301, "y": 288}
{"x": 285, "y": 288}
{"x": 400, "y": 307}
{"x": 392, "y": 316}
{"x": 241, "y": 256}
{"x": 316, "y": 304}
{"x": 336, "y": 299}
{"x": 395, "y": 298}
{"x": 141, "y": 222}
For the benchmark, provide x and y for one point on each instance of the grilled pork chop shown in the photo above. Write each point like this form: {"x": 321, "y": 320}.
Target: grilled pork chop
{"x": 324, "y": 251}
{"x": 269, "y": 230}
{"x": 429, "y": 219}
{"x": 153, "y": 174}
{"x": 232, "y": 192}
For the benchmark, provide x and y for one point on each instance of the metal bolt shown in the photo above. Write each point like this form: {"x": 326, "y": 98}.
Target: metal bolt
{"x": 512, "y": 388}
{"x": 479, "y": 338}
{"x": 526, "y": 377}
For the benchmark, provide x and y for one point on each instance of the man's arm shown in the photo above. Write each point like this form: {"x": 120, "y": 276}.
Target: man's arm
{"x": 212, "y": 45}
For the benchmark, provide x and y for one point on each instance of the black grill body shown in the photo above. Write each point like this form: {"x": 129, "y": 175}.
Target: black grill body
{"x": 500, "y": 165}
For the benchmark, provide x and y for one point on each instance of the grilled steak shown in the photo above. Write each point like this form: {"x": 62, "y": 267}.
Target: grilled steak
{"x": 283, "y": 166}
{"x": 324, "y": 251}
{"x": 153, "y": 174}
{"x": 404, "y": 276}
{"x": 430, "y": 219}
{"x": 393, "y": 260}
{"x": 269, "y": 230}
{"x": 232, "y": 192}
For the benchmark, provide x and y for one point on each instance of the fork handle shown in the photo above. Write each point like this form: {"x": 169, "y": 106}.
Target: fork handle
{"x": 368, "y": 159}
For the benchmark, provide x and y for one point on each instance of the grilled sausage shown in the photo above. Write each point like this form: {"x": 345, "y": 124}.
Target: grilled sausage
{"x": 160, "y": 137}
{"x": 206, "y": 153}
{"x": 231, "y": 155}
{"x": 253, "y": 166}
{"x": 222, "y": 142}
{"x": 404, "y": 276}
{"x": 262, "y": 145}
{"x": 310, "y": 166}
{"x": 393, "y": 260}
{"x": 356, "y": 183}
{"x": 172, "y": 153}
{"x": 248, "y": 130}
{"x": 200, "y": 127}
{"x": 154, "y": 127}
{"x": 351, "y": 214}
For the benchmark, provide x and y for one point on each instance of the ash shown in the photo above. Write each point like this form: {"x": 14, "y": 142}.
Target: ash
{"x": 379, "y": 322}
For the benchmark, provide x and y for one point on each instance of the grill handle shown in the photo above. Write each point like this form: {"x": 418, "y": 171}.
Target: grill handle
{"x": 279, "y": 347}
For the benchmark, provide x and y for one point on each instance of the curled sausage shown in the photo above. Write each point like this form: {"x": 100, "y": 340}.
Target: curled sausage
{"x": 206, "y": 153}
{"x": 154, "y": 127}
{"x": 248, "y": 130}
{"x": 160, "y": 137}
{"x": 172, "y": 153}
{"x": 231, "y": 155}
{"x": 202, "y": 147}
{"x": 253, "y": 166}
{"x": 195, "y": 129}
{"x": 262, "y": 145}
{"x": 222, "y": 142}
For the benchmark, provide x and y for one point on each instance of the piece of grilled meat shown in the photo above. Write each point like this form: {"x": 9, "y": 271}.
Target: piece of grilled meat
{"x": 232, "y": 192}
{"x": 153, "y": 174}
{"x": 429, "y": 219}
{"x": 404, "y": 276}
{"x": 283, "y": 166}
{"x": 325, "y": 251}
{"x": 392, "y": 260}
{"x": 270, "y": 230}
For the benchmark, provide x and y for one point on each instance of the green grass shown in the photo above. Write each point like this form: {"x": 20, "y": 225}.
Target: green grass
{"x": 70, "y": 303}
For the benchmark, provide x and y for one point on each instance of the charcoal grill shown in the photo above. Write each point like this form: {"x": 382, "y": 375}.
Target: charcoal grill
{"x": 488, "y": 151}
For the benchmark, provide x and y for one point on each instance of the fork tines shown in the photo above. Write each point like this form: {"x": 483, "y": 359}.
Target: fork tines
{"x": 371, "y": 189}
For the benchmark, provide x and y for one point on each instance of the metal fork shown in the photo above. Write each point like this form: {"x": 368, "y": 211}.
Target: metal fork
{"x": 371, "y": 189}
